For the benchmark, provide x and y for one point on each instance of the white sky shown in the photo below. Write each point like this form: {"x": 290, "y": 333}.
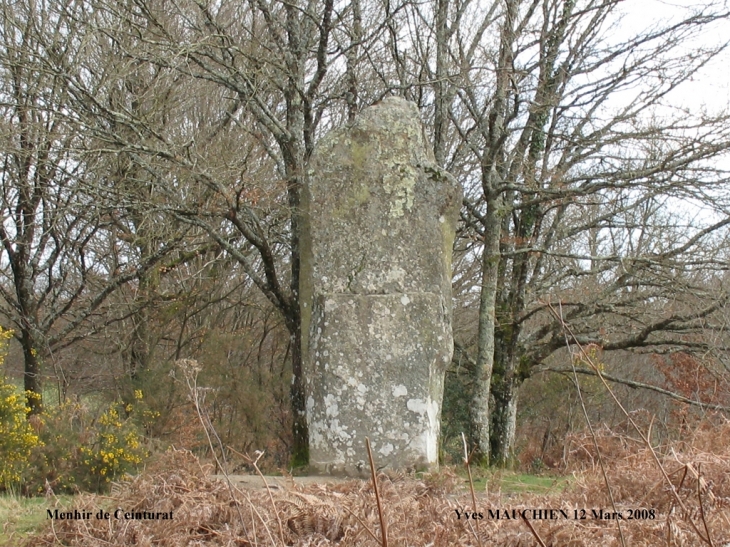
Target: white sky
{"x": 710, "y": 88}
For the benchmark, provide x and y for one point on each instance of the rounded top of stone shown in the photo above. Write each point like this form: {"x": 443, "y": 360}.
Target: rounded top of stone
{"x": 390, "y": 113}
{"x": 390, "y": 129}
{"x": 396, "y": 103}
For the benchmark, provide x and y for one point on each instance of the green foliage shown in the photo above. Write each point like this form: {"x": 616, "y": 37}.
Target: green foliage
{"x": 299, "y": 459}
{"x": 23, "y": 517}
{"x": 17, "y": 436}
{"x": 455, "y": 415}
{"x": 509, "y": 482}
{"x": 113, "y": 449}
{"x": 57, "y": 460}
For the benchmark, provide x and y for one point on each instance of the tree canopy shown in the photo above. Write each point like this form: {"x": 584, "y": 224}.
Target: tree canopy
{"x": 154, "y": 155}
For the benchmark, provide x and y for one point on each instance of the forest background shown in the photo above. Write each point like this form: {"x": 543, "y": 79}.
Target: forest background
{"x": 153, "y": 159}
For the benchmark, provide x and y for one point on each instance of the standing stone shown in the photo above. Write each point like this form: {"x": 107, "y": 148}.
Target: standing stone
{"x": 379, "y": 223}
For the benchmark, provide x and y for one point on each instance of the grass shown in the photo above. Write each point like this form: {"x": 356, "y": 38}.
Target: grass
{"x": 20, "y": 516}
{"x": 514, "y": 483}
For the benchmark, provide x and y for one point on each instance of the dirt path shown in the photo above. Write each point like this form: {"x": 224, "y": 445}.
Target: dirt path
{"x": 254, "y": 481}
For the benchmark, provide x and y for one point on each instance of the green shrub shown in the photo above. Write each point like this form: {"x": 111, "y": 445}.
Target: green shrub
{"x": 69, "y": 447}
{"x": 17, "y": 436}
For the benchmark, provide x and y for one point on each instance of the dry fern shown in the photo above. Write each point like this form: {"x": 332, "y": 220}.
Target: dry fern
{"x": 419, "y": 513}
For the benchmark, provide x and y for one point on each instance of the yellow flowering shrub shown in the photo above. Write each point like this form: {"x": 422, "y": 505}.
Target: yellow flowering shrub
{"x": 61, "y": 429}
{"x": 17, "y": 437}
{"x": 114, "y": 448}
{"x": 69, "y": 446}
{"x": 84, "y": 450}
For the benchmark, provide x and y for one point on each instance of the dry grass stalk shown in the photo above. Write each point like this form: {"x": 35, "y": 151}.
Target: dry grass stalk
{"x": 213, "y": 513}
{"x": 254, "y": 464}
{"x": 534, "y": 533}
{"x": 702, "y": 506}
{"x": 190, "y": 369}
{"x": 471, "y": 487}
{"x": 383, "y": 529}
{"x": 344, "y": 515}
{"x": 588, "y": 422}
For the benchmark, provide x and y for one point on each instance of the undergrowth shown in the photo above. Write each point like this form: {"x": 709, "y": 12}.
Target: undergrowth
{"x": 23, "y": 516}
{"x": 423, "y": 512}
{"x": 680, "y": 493}
{"x": 624, "y": 491}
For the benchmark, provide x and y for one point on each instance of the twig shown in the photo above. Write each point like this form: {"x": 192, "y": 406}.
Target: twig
{"x": 567, "y": 330}
{"x": 252, "y": 506}
{"x": 702, "y": 507}
{"x": 534, "y": 532}
{"x": 254, "y": 463}
{"x": 364, "y": 525}
{"x": 636, "y": 385}
{"x": 696, "y": 475}
{"x": 669, "y": 529}
{"x": 471, "y": 487}
{"x": 671, "y": 507}
{"x": 190, "y": 370}
{"x": 383, "y": 530}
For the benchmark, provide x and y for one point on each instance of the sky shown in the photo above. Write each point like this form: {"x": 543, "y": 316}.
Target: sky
{"x": 711, "y": 86}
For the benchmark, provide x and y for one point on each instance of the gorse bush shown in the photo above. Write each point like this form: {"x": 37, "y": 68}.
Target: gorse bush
{"x": 113, "y": 449}
{"x": 68, "y": 447}
{"x": 17, "y": 436}
{"x": 84, "y": 450}
{"x": 57, "y": 460}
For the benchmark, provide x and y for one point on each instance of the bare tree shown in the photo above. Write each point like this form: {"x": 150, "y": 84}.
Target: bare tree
{"x": 574, "y": 162}
{"x": 581, "y": 162}
{"x": 54, "y": 233}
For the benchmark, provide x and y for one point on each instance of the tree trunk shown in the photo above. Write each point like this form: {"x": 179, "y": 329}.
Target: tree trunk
{"x": 141, "y": 347}
{"x": 507, "y": 374}
{"x": 32, "y": 375}
{"x": 504, "y": 421}
{"x": 479, "y": 415}
{"x": 300, "y": 430}
{"x": 492, "y": 171}
{"x": 29, "y": 335}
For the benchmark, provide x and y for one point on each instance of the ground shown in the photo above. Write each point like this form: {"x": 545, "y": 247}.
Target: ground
{"x": 671, "y": 495}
